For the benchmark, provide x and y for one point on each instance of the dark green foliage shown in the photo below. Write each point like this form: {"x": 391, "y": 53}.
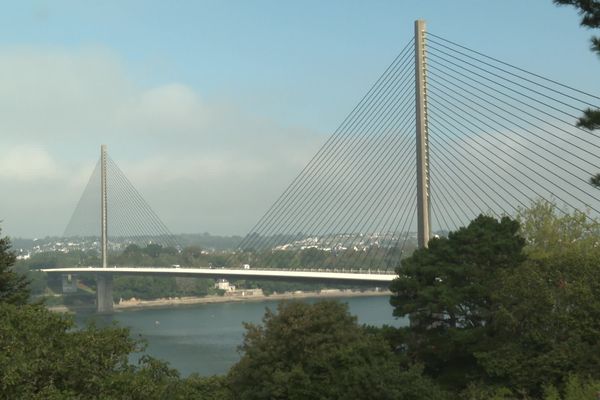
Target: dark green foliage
{"x": 491, "y": 323}
{"x": 548, "y": 324}
{"x": 153, "y": 250}
{"x": 143, "y": 287}
{"x": 318, "y": 351}
{"x": 43, "y": 357}
{"x": 36, "y": 279}
{"x": 132, "y": 250}
{"x": 206, "y": 388}
{"x": 447, "y": 291}
{"x": 40, "y": 354}
{"x": 13, "y": 287}
{"x": 576, "y": 388}
{"x": 590, "y": 119}
{"x": 154, "y": 379}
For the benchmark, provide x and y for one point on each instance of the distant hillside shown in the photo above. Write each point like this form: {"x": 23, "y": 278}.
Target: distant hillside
{"x": 203, "y": 240}
{"x": 208, "y": 241}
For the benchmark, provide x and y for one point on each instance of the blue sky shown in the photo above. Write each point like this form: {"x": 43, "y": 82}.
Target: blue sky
{"x": 265, "y": 76}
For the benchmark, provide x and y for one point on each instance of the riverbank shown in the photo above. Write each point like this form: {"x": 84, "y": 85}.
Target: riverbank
{"x": 183, "y": 301}
{"x": 247, "y": 296}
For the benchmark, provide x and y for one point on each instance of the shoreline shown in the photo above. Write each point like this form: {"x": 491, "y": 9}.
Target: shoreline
{"x": 137, "y": 304}
{"x": 133, "y": 304}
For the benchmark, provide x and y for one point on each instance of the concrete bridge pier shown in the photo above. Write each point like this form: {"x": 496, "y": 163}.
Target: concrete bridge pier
{"x": 104, "y": 297}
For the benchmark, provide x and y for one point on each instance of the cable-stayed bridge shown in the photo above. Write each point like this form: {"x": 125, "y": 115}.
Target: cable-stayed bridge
{"x": 444, "y": 134}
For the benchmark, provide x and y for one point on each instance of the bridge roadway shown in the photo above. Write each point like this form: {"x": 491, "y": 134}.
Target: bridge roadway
{"x": 234, "y": 273}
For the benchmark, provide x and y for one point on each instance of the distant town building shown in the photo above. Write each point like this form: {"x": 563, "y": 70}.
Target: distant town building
{"x": 223, "y": 284}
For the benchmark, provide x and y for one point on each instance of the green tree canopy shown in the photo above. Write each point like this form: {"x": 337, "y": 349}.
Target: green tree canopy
{"x": 447, "y": 290}
{"x": 13, "y": 287}
{"x": 551, "y": 233}
{"x": 502, "y": 310}
{"x": 318, "y": 351}
{"x": 548, "y": 322}
{"x": 39, "y": 355}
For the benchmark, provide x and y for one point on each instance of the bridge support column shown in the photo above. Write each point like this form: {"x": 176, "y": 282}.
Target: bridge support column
{"x": 103, "y": 208}
{"x": 423, "y": 207}
{"x": 104, "y": 297}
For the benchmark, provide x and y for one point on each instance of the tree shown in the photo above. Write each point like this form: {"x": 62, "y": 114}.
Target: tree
{"x": 206, "y": 388}
{"x": 550, "y": 233}
{"x": 547, "y": 324}
{"x": 548, "y": 320}
{"x": 40, "y": 355}
{"x": 43, "y": 357}
{"x": 153, "y": 250}
{"x": 132, "y": 250}
{"x": 575, "y": 389}
{"x": 318, "y": 351}
{"x": 590, "y": 17}
{"x": 192, "y": 255}
{"x": 493, "y": 319}
{"x": 13, "y": 287}
{"x": 447, "y": 290}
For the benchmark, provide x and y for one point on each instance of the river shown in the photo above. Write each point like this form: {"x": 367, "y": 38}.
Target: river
{"x": 204, "y": 338}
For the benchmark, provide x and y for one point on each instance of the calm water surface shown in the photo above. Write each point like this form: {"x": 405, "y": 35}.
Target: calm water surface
{"x": 204, "y": 338}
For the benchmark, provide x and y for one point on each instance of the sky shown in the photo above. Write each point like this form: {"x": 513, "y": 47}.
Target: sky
{"x": 211, "y": 108}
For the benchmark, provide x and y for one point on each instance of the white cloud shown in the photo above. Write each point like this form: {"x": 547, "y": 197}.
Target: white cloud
{"x": 205, "y": 166}
{"x": 172, "y": 109}
{"x": 28, "y": 163}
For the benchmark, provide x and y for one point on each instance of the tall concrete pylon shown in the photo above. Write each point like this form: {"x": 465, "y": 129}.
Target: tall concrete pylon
{"x": 104, "y": 300}
{"x": 423, "y": 197}
{"x": 103, "y": 207}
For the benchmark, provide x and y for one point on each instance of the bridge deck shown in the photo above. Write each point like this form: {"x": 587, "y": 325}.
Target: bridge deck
{"x": 269, "y": 274}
